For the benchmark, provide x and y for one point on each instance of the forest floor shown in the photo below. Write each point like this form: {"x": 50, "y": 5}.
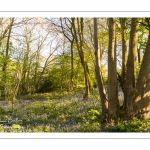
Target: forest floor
{"x": 60, "y": 112}
{"x": 51, "y": 112}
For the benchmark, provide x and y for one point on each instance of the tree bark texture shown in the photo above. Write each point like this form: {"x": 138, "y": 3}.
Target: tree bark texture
{"x": 79, "y": 43}
{"x": 129, "y": 94}
{"x": 124, "y": 50}
{"x": 112, "y": 74}
{"x": 101, "y": 88}
{"x": 142, "y": 101}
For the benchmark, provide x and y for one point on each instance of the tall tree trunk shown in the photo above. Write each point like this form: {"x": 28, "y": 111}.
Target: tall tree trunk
{"x": 72, "y": 67}
{"x": 101, "y": 88}
{"x": 4, "y": 67}
{"x": 25, "y": 68}
{"x": 71, "y": 40}
{"x": 131, "y": 68}
{"x": 79, "y": 43}
{"x": 112, "y": 74}
{"x": 80, "y": 32}
{"x": 142, "y": 101}
{"x": 36, "y": 65}
{"x": 124, "y": 50}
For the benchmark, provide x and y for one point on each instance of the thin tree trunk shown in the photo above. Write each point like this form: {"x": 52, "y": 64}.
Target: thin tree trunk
{"x": 101, "y": 88}
{"x": 72, "y": 42}
{"x": 25, "y": 68}
{"x": 124, "y": 51}
{"x": 88, "y": 83}
{"x": 139, "y": 56}
{"x": 36, "y": 66}
{"x": 72, "y": 67}
{"x": 80, "y": 31}
{"x": 43, "y": 70}
{"x": 4, "y": 67}
{"x": 7, "y": 29}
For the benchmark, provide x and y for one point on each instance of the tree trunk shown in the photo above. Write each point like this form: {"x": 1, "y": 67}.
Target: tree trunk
{"x": 88, "y": 84}
{"x": 4, "y": 67}
{"x": 131, "y": 68}
{"x": 3, "y": 35}
{"x": 139, "y": 56}
{"x": 71, "y": 40}
{"x": 124, "y": 51}
{"x": 25, "y": 68}
{"x": 112, "y": 74}
{"x": 142, "y": 101}
{"x": 101, "y": 88}
{"x": 72, "y": 67}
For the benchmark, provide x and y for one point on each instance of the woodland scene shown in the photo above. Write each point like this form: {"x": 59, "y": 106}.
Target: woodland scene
{"x": 74, "y": 74}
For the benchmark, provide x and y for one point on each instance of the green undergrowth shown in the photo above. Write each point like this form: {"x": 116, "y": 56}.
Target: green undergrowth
{"x": 61, "y": 94}
{"x": 134, "y": 125}
{"x": 53, "y": 95}
{"x": 66, "y": 112}
{"x": 57, "y": 116}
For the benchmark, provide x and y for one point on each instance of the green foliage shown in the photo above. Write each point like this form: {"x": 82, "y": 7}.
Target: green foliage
{"x": 66, "y": 114}
{"x": 47, "y": 86}
{"x": 47, "y": 96}
{"x": 138, "y": 67}
{"x": 1, "y": 127}
{"x": 2, "y": 110}
{"x": 94, "y": 115}
{"x": 58, "y": 115}
{"x": 135, "y": 125}
{"x": 58, "y": 78}
{"x": 142, "y": 38}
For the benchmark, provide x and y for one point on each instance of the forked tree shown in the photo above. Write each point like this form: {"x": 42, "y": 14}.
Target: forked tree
{"x": 136, "y": 92}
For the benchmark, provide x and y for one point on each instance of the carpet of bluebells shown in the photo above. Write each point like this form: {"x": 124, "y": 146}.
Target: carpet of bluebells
{"x": 61, "y": 112}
